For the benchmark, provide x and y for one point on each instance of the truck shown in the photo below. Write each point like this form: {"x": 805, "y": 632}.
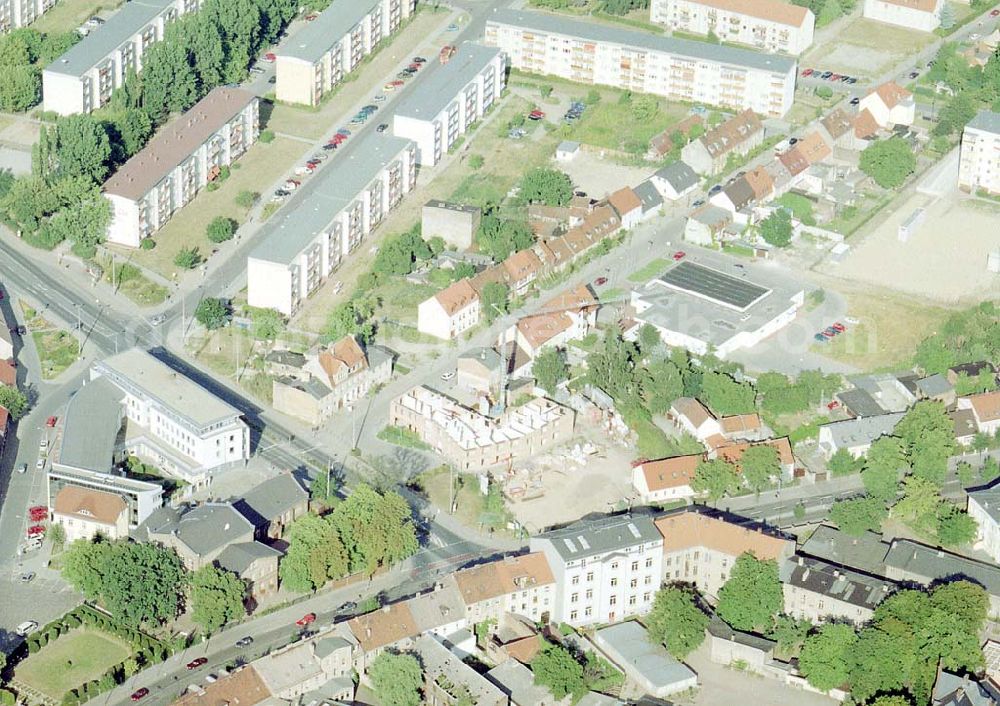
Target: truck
{"x": 447, "y": 51}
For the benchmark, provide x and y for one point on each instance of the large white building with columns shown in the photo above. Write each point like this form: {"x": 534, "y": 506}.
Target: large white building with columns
{"x": 451, "y": 100}
{"x": 327, "y": 219}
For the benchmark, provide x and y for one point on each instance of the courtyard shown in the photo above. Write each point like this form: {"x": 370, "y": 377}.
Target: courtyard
{"x": 73, "y": 659}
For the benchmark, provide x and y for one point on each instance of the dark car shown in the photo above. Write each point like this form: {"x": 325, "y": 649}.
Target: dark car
{"x": 402, "y": 75}
{"x": 699, "y": 202}
{"x": 826, "y": 74}
{"x": 370, "y": 108}
{"x": 419, "y": 60}
{"x": 382, "y": 128}
{"x": 330, "y": 146}
{"x": 195, "y": 663}
{"x": 600, "y": 281}
{"x": 820, "y": 337}
{"x": 282, "y": 193}
{"x": 141, "y": 693}
{"x": 715, "y": 189}
{"x": 347, "y": 607}
{"x": 792, "y": 140}
{"x": 855, "y": 100}
{"x": 244, "y": 641}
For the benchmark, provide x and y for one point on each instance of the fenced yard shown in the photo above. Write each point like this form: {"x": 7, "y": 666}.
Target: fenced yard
{"x": 75, "y": 658}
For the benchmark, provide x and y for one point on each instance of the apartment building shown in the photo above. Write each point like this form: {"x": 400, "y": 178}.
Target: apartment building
{"x": 817, "y": 591}
{"x": 605, "y": 569}
{"x": 770, "y": 25}
{"x": 979, "y": 165}
{"x": 678, "y": 69}
{"x": 701, "y": 548}
{"x": 179, "y": 161}
{"x": 523, "y": 585}
{"x": 736, "y": 136}
{"x": 141, "y": 498}
{"x": 448, "y": 102}
{"x": 83, "y": 79}
{"x": 473, "y": 441}
{"x": 327, "y": 219}
{"x": 21, "y": 13}
{"x": 921, "y": 15}
{"x": 450, "y": 312}
{"x": 323, "y": 52}
{"x": 984, "y": 508}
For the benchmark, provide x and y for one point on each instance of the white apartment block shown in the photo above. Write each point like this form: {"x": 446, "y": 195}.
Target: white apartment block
{"x": 474, "y": 441}
{"x": 921, "y": 15}
{"x": 770, "y": 25}
{"x": 83, "y": 79}
{"x": 984, "y": 508}
{"x": 178, "y": 162}
{"x": 323, "y": 52}
{"x": 453, "y": 98}
{"x": 605, "y": 570}
{"x": 678, "y": 69}
{"x": 327, "y": 219}
{"x": 21, "y": 13}
{"x": 979, "y": 166}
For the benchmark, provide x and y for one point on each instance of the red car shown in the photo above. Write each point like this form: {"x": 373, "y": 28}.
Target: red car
{"x": 807, "y": 72}
{"x": 415, "y": 66}
{"x": 679, "y": 255}
{"x": 38, "y": 513}
{"x": 397, "y": 83}
{"x": 600, "y": 281}
{"x": 536, "y": 115}
{"x": 839, "y": 326}
{"x": 833, "y": 405}
{"x": 136, "y": 695}
{"x": 270, "y": 57}
{"x": 306, "y": 620}
{"x": 312, "y": 16}
{"x": 36, "y": 530}
{"x": 51, "y": 422}
{"x": 195, "y": 663}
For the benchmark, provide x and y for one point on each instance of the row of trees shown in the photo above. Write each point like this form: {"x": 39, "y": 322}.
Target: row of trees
{"x": 717, "y": 477}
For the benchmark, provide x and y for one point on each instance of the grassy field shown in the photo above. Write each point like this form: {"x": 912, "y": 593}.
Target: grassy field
{"x": 401, "y": 436}
{"x": 57, "y": 350}
{"x": 73, "y": 659}
{"x": 67, "y": 15}
{"x": 612, "y": 124}
{"x": 649, "y": 271}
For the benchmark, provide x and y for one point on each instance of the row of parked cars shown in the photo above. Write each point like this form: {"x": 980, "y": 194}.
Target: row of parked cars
{"x": 829, "y": 76}
{"x": 831, "y": 331}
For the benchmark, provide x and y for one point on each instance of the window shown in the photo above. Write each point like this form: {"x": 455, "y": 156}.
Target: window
{"x": 575, "y": 580}
{"x": 635, "y": 566}
{"x": 633, "y": 583}
{"x": 631, "y": 600}
{"x": 645, "y": 597}
{"x": 589, "y": 594}
{"x": 590, "y": 576}
{"x": 649, "y": 563}
{"x": 573, "y": 615}
{"x": 614, "y": 565}
{"x": 574, "y": 598}
{"x": 587, "y": 612}
{"x": 613, "y": 600}
{"x": 614, "y": 582}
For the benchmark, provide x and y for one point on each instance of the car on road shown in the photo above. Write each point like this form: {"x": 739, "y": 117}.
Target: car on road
{"x": 600, "y": 281}
{"x": 17, "y": 330}
{"x": 448, "y": 375}
{"x": 347, "y": 607}
{"x": 715, "y": 189}
{"x": 409, "y": 71}
{"x": 292, "y": 184}
{"x": 402, "y": 76}
{"x": 39, "y": 464}
{"x": 38, "y": 513}
{"x": 397, "y": 83}
{"x": 419, "y": 60}
{"x": 139, "y": 694}
{"x": 855, "y": 100}
{"x": 27, "y": 627}
{"x": 343, "y": 132}
{"x": 244, "y": 641}
{"x": 281, "y": 194}
{"x": 43, "y": 444}
{"x": 269, "y": 57}
{"x": 828, "y": 333}
{"x": 389, "y": 87}
{"x": 452, "y": 27}
{"x": 679, "y": 255}
{"x": 51, "y": 421}
{"x": 415, "y": 66}
{"x": 382, "y": 128}
{"x": 370, "y": 108}
{"x": 26, "y": 577}
{"x": 914, "y": 74}
{"x": 698, "y": 202}
{"x": 23, "y": 468}
{"x": 197, "y": 662}
{"x": 379, "y": 98}
{"x": 306, "y": 620}
{"x": 35, "y": 531}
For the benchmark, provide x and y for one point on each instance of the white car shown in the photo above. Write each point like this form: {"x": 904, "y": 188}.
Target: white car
{"x": 448, "y": 375}
{"x": 43, "y": 443}
{"x": 27, "y": 627}
{"x": 39, "y": 464}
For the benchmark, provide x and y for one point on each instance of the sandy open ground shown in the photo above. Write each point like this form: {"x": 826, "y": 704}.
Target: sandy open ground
{"x": 866, "y": 48}
{"x": 600, "y": 177}
{"x": 945, "y": 260}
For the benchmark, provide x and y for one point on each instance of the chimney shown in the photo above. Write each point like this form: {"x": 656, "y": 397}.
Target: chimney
{"x": 368, "y": 632}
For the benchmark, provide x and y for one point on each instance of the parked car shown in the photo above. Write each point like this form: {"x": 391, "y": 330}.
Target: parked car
{"x": 855, "y": 100}
{"x": 414, "y": 66}
{"x": 306, "y": 620}
{"x": 536, "y": 115}
{"x": 139, "y": 694}
{"x": 370, "y": 108}
{"x": 27, "y": 627}
{"x": 273, "y": 79}
{"x": 397, "y": 83}
{"x": 807, "y": 72}
{"x": 448, "y": 375}
{"x": 311, "y": 16}
{"x": 715, "y": 189}
{"x": 832, "y": 405}
{"x": 852, "y": 80}
{"x": 839, "y": 327}
{"x": 820, "y": 337}
{"x": 389, "y": 87}
{"x": 679, "y": 255}
{"x": 292, "y": 184}
{"x": 600, "y": 281}
{"x": 269, "y": 57}
{"x": 344, "y": 131}
{"x": 792, "y": 141}
{"x": 282, "y": 193}
{"x": 26, "y": 577}
{"x": 402, "y": 75}
{"x": 35, "y": 531}
{"x": 38, "y": 513}
{"x": 39, "y": 464}
{"x": 382, "y": 128}
{"x": 244, "y": 641}
{"x": 419, "y": 60}
{"x": 698, "y": 202}
{"x": 256, "y": 70}
{"x": 452, "y": 27}
{"x": 197, "y": 662}
{"x": 23, "y": 468}
{"x": 826, "y": 74}
{"x": 379, "y": 98}
{"x": 347, "y": 607}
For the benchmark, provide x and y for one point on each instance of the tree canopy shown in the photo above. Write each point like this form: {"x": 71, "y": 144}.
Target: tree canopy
{"x": 500, "y": 237}
{"x": 494, "y": 300}
{"x": 216, "y": 597}
{"x": 855, "y": 516}
{"x": 725, "y": 395}
{"x": 970, "y": 335}
{"x": 826, "y": 656}
{"x": 676, "y": 621}
{"x": 888, "y": 162}
{"x": 14, "y": 400}
{"x": 397, "y": 679}
{"x": 928, "y": 437}
{"x": 759, "y": 464}
{"x": 547, "y": 186}
{"x": 556, "y": 668}
{"x": 550, "y": 369}
{"x": 776, "y": 229}
{"x": 212, "y": 313}
{"x": 752, "y": 596}
{"x": 716, "y": 478}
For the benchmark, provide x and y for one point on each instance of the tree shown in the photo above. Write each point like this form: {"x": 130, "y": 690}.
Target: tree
{"x": 725, "y": 396}
{"x": 315, "y": 554}
{"x": 649, "y": 338}
{"x": 499, "y": 237}
{"x": 57, "y": 535}
{"x": 212, "y": 313}
{"x": 855, "y": 516}
{"x": 716, "y": 478}
{"x": 220, "y": 229}
{"x": 20, "y": 89}
{"x": 928, "y": 438}
{"x": 842, "y": 463}
{"x": 645, "y": 108}
{"x": 324, "y": 488}
{"x": 187, "y": 258}
{"x": 476, "y": 161}
{"x": 555, "y": 667}
{"x": 776, "y": 229}
{"x": 897, "y": 700}
{"x": 352, "y": 318}
{"x": 825, "y": 659}
{"x": 790, "y": 632}
{"x": 947, "y": 16}
{"x": 82, "y": 147}
{"x": 676, "y": 621}
{"x": 831, "y": 11}
{"x": 169, "y": 83}
{"x": 376, "y": 528}
{"x": 14, "y": 400}
{"x": 955, "y": 527}
{"x": 752, "y": 595}
{"x": 612, "y": 367}
{"x": 883, "y": 464}
{"x": 548, "y": 186}
{"x": 888, "y": 162}
{"x": 397, "y": 679}
{"x": 493, "y": 301}
{"x": 984, "y": 381}
{"x": 759, "y": 464}
{"x": 266, "y": 324}
{"x": 663, "y": 385}
{"x": 955, "y": 114}
{"x": 83, "y": 566}
{"x": 919, "y": 505}
{"x": 216, "y": 597}
{"x": 964, "y": 599}
{"x": 550, "y": 369}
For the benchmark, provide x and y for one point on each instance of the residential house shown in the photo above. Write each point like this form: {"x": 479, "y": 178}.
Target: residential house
{"x": 986, "y": 410}
{"x": 556, "y": 253}
{"x": 628, "y": 207}
{"x": 732, "y": 452}
{"x": 737, "y": 136}
{"x": 480, "y": 370}
{"x": 450, "y": 312}
{"x": 701, "y": 547}
{"x": 865, "y": 128}
{"x": 694, "y": 418}
{"x": 921, "y": 15}
{"x": 984, "y": 508}
{"x": 604, "y": 569}
{"x": 838, "y": 128}
{"x": 964, "y": 423}
{"x": 85, "y": 513}
{"x": 650, "y": 197}
{"x": 456, "y": 223}
{"x": 954, "y": 690}
{"x": 675, "y": 181}
{"x": 257, "y": 564}
{"x": 588, "y": 52}
{"x": 274, "y": 505}
{"x": 439, "y": 612}
{"x": 760, "y": 183}
{"x": 663, "y": 144}
{"x": 178, "y": 162}
{"x": 770, "y": 25}
{"x": 818, "y": 591}
{"x": 907, "y": 560}
{"x": 567, "y": 317}
{"x": 734, "y": 198}
{"x": 889, "y": 104}
{"x": 292, "y": 671}
{"x": 520, "y": 269}
{"x": 242, "y": 686}
{"x": 747, "y": 427}
{"x": 646, "y": 663}
{"x": 665, "y": 480}
{"x": 523, "y": 585}
{"x": 392, "y": 627}
{"x": 856, "y": 435}
{"x": 21, "y": 13}
{"x": 936, "y": 387}
{"x": 979, "y": 165}
{"x": 448, "y": 681}
{"x": 518, "y": 683}
{"x": 706, "y": 224}
{"x": 333, "y": 378}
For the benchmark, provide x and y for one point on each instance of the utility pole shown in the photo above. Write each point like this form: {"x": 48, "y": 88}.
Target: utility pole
{"x": 79, "y": 328}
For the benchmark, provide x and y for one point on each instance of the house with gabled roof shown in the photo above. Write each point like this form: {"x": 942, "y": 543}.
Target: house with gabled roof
{"x": 450, "y": 312}
{"x": 522, "y": 585}
{"x": 666, "y": 479}
{"x": 985, "y": 408}
{"x": 890, "y": 104}
{"x": 921, "y": 15}
{"x": 736, "y": 136}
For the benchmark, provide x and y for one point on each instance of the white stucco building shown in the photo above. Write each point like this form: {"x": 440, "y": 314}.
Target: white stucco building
{"x": 21, "y": 13}
{"x": 678, "y": 69}
{"x": 979, "y": 166}
{"x": 921, "y": 15}
{"x": 448, "y": 102}
{"x": 984, "y": 508}
{"x": 771, "y": 25}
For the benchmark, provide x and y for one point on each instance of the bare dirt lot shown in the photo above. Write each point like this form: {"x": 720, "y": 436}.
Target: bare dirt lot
{"x": 600, "y": 177}
{"x": 866, "y": 48}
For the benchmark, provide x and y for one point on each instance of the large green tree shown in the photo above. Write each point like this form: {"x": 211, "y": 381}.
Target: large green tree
{"x": 549, "y": 369}
{"x": 855, "y": 516}
{"x": 376, "y": 528}
{"x": 928, "y": 437}
{"x": 825, "y": 659}
{"x": 884, "y": 462}
{"x": 776, "y": 229}
{"x": 82, "y": 147}
{"x": 397, "y": 679}
{"x": 676, "y": 621}
{"x": 14, "y": 400}
{"x": 888, "y": 162}
{"x": 499, "y": 237}
{"x": 716, "y": 478}
{"x": 752, "y": 596}
{"x": 216, "y": 597}
{"x": 556, "y": 668}
{"x": 759, "y": 464}
{"x": 663, "y": 385}
{"x": 316, "y": 554}
{"x": 548, "y": 186}
{"x": 212, "y": 313}
{"x": 725, "y": 395}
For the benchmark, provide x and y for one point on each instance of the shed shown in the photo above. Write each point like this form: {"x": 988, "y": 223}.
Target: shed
{"x": 646, "y": 664}
{"x": 567, "y": 151}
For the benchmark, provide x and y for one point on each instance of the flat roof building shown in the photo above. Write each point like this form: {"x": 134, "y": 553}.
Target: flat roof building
{"x": 324, "y": 51}
{"x": 85, "y": 76}
{"x": 450, "y": 100}
{"x": 677, "y": 69}
{"x": 979, "y": 164}
{"x": 327, "y": 219}
{"x": 769, "y": 25}
{"x": 179, "y": 161}
{"x": 645, "y": 662}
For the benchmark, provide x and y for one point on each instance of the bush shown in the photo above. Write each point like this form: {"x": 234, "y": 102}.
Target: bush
{"x": 212, "y": 186}
{"x": 147, "y": 244}
{"x": 266, "y": 136}
{"x": 224, "y": 173}
{"x": 221, "y": 229}
{"x": 246, "y": 198}
{"x": 824, "y": 92}
{"x": 476, "y": 161}
{"x": 187, "y": 258}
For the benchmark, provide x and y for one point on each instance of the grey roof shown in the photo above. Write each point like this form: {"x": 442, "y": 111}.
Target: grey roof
{"x": 717, "y": 627}
{"x": 433, "y": 609}
{"x": 326, "y": 646}
{"x": 203, "y": 528}
{"x": 973, "y": 369}
{"x": 313, "y": 207}
{"x": 91, "y": 424}
{"x": 964, "y": 422}
{"x": 517, "y": 681}
{"x": 445, "y": 85}
{"x": 954, "y": 690}
{"x": 864, "y": 430}
{"x": 272, "y": 498}
{"x": 289, "y": 358}
{"x": 605, "y": 534}
{"x": 487, "y": 356}
{"x": 452, "y": 206}
{"x": 593, "y": 698}
{"x": 568, "y": 146}
{"x": 316, "y": 38}
{"x": 628, "y": 646}
{"x": 311, "y": 386}
{"x": 865, "y": 553}
{"x": 711, "y": 215}
{"x": 591, "y": 31}
{"x": 926, "y": 564}
{"x": 119, "y": 28}
{"x": 986, "y": 120}
{"x": 860, "y": 403}
{"x": 288, "y": 667}
{"x": 679, "y": 175}
{"x": 934, "y": 385}
{"x": 649, "y": 196}
{"x": 835, "y": 582}
{"x": 239, "y": 557}
{"x": 158, "y": 381}
{"x": 438, "y": 661}
{"x": 988, "y": 499}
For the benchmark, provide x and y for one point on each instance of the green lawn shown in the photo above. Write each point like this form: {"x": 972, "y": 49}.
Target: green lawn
{"x": 800, "y": 206}
{"x": 70, "y": 661}
{"x": 57, "y": 350}
{"x": 67, "y": 15}
{"x": 612, "y": 124}
{"x": 649, "y": 271}
{"x": 402, "y": 437}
